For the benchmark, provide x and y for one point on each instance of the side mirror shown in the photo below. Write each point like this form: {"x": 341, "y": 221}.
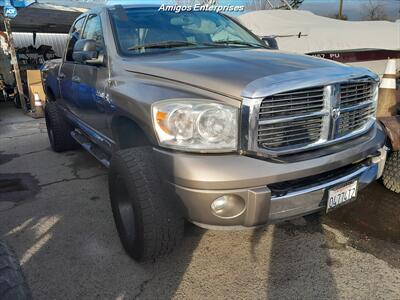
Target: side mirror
{"x": 271, "y": 42}
{"x": 85, "y": 51}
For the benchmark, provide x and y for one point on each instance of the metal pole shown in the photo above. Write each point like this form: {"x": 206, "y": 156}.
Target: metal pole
{"x": 270, "y": 4}
{"x": 14, "y": 62}
{"x": 341, "y": 10}
{"x": 288, "y": 5}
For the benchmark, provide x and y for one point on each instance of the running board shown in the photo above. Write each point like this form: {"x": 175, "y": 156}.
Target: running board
{"x": 91, "y": 148}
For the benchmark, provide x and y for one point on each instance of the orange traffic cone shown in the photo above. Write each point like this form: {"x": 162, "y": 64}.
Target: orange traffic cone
{"x": 387, "y": 104}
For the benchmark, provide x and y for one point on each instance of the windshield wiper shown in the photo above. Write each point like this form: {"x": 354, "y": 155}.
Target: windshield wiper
{"x": 166, "y": 44}
{"x": 173, "y": 44}
{"x": 240, "y": 43}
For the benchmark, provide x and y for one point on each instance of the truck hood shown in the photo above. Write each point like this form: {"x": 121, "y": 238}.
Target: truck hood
{"x": 226, "y": 71}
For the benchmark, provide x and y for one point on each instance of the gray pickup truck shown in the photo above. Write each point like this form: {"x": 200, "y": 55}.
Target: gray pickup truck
{"x": 197, "y": 119}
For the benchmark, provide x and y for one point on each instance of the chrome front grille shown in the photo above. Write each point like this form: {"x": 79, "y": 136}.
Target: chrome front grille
{"x": 293, "y": 103}
{"x": 354, "y": 120}
{"x": 301, "y": 119}
{"x": 287, "y": 133}
{"x": 355, "y": 93}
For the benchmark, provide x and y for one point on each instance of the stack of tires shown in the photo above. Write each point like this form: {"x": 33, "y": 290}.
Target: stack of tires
{"x": 391, "y": 173}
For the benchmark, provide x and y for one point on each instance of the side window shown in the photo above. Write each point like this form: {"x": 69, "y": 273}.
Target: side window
{"x": 93, "y": 31}
{"x": 73, "y": 37}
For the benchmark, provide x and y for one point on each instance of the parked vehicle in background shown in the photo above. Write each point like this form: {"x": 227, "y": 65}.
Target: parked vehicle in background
{"x": 359, "y": 43}
{"x": 197, "y": 119}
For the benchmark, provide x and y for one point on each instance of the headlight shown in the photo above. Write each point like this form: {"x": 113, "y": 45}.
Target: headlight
{"x": 190, "y": 125}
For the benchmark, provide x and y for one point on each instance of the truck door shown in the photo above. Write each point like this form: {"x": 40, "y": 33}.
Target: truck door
{"x": 66, "y": 70}
{"x": 92, "y": 81}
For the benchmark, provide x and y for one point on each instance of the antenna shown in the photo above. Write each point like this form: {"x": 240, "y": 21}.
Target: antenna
{"x": 284, "y": 2}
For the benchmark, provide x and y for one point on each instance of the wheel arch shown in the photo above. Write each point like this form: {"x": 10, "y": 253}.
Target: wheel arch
{"x": 50, "y": 95}
{"x": 129, "y": 134}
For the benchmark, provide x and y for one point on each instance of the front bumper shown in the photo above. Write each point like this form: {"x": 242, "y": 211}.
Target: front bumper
{"x": 200, "y": 179}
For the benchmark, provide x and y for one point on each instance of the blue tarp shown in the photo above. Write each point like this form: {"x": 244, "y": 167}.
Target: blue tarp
{"x": 17, "y": 3}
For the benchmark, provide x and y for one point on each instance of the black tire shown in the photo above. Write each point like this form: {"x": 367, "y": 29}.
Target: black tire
{"x": 58, "y": 130}
{"x": 12, "y": 281}
{"x": 391, "y": 173}
{"x": 148, "y": 223}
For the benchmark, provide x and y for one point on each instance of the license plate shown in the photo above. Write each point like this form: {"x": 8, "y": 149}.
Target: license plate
{"x": 341, "y": 195}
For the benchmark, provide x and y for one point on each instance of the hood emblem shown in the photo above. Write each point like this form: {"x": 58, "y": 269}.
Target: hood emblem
{"x": 335, "y": 113}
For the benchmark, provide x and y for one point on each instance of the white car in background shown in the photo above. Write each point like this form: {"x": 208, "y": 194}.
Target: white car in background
{"x": 359, "y": 43}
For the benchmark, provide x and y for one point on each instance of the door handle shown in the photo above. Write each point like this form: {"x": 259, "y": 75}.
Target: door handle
{"x": 76, "y": 79}
{"x": 61, "y": 76}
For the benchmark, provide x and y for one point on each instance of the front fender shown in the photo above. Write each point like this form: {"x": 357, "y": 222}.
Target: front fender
{"x": 133, "y": 94}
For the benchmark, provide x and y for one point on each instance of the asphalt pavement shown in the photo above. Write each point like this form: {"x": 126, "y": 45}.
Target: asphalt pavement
{"x": 55, "y": 214}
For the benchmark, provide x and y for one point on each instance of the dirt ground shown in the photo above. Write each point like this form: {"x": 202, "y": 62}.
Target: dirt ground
{"x": 55, "y": 213}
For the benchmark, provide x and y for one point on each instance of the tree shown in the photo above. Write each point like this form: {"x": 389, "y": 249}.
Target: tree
{"x": 293, "y": 3}
{"x": 272, "y": 4}
{"x": 257, "y": 5}
{"x": 340, "y": 15}
{"x": 193, "y": 2}
{"x": 374, "y": 11}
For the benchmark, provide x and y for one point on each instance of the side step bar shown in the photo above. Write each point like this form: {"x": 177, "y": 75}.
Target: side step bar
{"x": 91, "y": 148}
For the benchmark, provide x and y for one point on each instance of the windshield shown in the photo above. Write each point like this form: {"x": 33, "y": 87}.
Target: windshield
{"x": 144, "y": 30}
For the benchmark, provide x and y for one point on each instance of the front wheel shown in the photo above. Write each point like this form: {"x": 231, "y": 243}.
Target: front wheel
{"x": 148, "y": 223}
{"x": 391, "y": 173}
{"x": 12, "y": 281}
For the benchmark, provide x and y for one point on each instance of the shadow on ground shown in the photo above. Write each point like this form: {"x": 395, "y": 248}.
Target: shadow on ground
{"x": 376, "y": 212}
{"x": 66, "y": 240}
{"x": 299, "y": 263}
{"x": 68, "y": 244}
{"x": 372, "y": 223}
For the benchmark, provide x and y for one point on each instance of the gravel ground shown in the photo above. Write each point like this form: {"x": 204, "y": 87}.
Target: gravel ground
{"x": 55, "y": 213}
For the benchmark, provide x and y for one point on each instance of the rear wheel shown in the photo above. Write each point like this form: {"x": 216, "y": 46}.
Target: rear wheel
{"x": 12, "y": 281}
{"x": 148, "y": 223}
{"x": 58, "y": 129}
{"x": 391, "y": 173}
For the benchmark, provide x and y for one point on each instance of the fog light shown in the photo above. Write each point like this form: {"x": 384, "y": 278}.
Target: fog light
{"x": 228, "y": 206}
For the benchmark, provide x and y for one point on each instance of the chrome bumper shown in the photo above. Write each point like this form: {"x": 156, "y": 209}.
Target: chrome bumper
{"x": 312, "y": 199}
{"x": 263, "y": 207}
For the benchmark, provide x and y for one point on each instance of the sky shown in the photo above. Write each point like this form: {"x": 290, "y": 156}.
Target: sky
{"x": 352, "y": 8}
